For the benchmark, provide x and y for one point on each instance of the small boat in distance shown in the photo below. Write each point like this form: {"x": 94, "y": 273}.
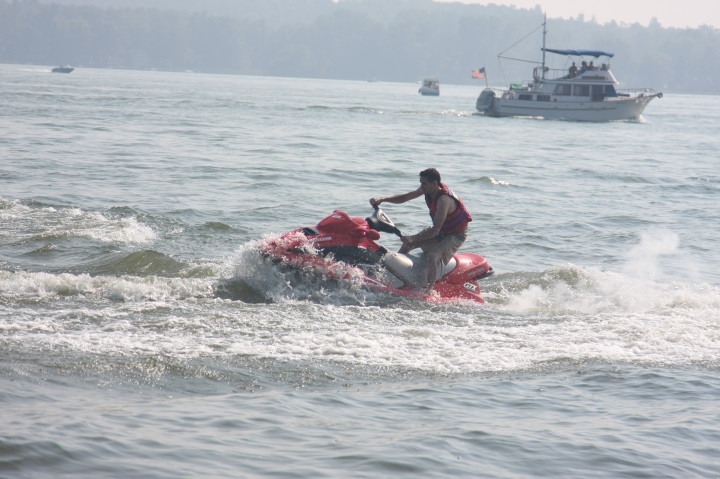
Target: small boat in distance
{"x": 63, "y": 69}
{"x": 430, "y": 87}
{"x": 585, "y": 93}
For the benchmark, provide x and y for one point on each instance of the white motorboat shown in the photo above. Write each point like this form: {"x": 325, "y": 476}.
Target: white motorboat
{"x": 430, "y": 86}
{"x": 581, "y": 93}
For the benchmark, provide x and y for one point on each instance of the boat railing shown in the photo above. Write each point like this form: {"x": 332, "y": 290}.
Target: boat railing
{"x": 638, "y": 93}
{"x": 504, "y": 92}
{"x": 555, "y": 74}
{"x": 516, "y": 88}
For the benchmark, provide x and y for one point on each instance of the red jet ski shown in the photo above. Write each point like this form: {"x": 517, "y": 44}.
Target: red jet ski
{"x": 344, "y": 248}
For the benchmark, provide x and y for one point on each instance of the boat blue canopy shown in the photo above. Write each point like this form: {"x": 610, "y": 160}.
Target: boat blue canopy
{"x": 594, "y": 53}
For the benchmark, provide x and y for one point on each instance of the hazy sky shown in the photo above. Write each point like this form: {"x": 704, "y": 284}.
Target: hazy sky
{"x": 670, "y": 13}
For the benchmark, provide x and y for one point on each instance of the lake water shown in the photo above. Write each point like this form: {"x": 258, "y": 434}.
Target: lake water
{"x": 141, "y": 335}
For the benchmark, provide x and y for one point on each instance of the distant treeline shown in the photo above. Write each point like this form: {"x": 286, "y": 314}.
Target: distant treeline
{"x": 393, "y": 40}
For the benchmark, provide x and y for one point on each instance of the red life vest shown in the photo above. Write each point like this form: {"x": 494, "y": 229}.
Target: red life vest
{"x": 455, "y": 222}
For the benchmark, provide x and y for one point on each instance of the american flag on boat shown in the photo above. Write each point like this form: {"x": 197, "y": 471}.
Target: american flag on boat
{"x": 479, "y": 73}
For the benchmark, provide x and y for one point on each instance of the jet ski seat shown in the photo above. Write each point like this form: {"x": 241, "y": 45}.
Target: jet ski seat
{"x": 410, "y": 268}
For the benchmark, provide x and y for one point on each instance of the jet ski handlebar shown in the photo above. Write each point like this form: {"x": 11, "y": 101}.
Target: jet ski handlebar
{"x": 379, "y": 221}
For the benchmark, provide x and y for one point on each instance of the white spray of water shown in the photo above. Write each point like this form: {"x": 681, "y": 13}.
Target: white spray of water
{"x": 643, "y": 261}
{"x": 643, "y": 283}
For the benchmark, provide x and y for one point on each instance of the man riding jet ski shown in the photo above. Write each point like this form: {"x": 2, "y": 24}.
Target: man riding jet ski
{"x": 450, "y": 222}
{"x": 344, "y": 248}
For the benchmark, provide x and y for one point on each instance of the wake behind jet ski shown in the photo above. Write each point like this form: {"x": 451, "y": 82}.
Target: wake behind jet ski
{"x": 342, "y": 247}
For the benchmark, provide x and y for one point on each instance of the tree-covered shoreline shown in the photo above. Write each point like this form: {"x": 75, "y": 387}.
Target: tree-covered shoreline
{"x": 393, "y": 40}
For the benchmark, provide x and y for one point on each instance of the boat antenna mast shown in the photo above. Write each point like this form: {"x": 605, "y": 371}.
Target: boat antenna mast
{"x": 544, "y": 25}
{"x": 502, "y": 56}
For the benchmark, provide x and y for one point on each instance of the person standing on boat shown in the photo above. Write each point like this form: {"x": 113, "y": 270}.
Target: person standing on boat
{"x": 573, "y": 70}
{"x": 450, "y": 220}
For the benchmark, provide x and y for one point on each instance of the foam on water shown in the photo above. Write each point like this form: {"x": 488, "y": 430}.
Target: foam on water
{"x": 566, "y": 314}
{"x": 27, "y": 286}
{"x": 38, "y": 223}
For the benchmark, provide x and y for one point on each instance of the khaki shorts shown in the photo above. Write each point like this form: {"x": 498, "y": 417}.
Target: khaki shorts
{"x": 446, "y": 245}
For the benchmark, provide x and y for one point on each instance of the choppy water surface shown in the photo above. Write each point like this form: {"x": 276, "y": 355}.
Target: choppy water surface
{"x": 141, "y": 335}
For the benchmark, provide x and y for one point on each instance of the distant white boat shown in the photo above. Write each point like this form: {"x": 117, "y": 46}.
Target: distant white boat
{"x": 585, "y": 93}
{"x": 430, "y": 86}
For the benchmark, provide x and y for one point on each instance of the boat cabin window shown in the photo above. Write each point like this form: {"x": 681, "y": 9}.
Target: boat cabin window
{"x": 581, "y": 90}
{"x": 598, "y": 92}
{"x": 525, "y": 97}
{"x": 563, "y": 89}
{"x": 543, "y": 98}
{"x": 610, "y": 91}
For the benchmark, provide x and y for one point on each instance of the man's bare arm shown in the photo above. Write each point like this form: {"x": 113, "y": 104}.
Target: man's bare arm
{"x": 397, "y": 199}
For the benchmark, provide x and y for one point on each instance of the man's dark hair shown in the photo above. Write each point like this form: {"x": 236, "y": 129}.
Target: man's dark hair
{"x": 431, "y": 174}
